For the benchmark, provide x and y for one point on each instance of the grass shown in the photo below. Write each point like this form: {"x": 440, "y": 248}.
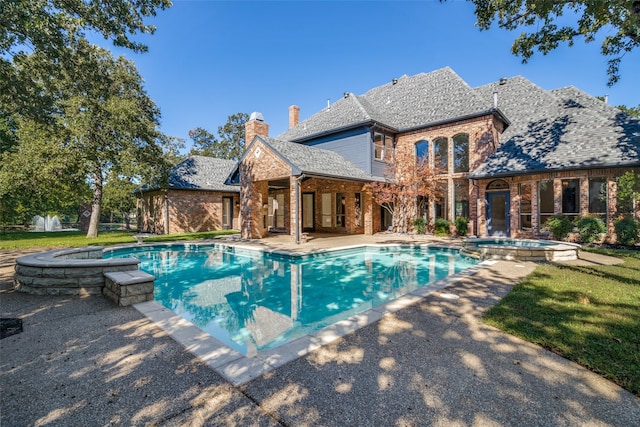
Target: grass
{"x": 590, "y": 315}
{"x": 74, "y": 239}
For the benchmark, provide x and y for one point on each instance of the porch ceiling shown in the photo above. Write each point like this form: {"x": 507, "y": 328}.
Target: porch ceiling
{"x": 279, "y": 184}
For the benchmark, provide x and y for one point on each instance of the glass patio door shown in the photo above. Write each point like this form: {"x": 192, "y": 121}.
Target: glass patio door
{"x": 308, "y": 212}
{"x": 498, "y": 213}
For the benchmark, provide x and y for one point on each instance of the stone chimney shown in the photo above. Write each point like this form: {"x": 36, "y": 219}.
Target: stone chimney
{"x": 254, "y": 127}
{"x": 294, "y": 116}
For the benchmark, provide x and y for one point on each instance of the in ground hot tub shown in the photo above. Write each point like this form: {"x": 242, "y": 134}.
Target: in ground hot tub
{"x": 520, "y": 249}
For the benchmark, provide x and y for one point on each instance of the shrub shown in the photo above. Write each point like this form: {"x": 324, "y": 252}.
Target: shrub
{"x": 442, "y": 227}
{"x": 590, "y": 228}
{"x": 419, "y": 225}
{"x": 462, "y": 225}
{"x": 626, "y": 231}
{"x": 560, "y": 226}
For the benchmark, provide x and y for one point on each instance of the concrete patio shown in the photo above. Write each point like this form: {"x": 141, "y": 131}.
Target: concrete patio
{"x": 85, "y": 361}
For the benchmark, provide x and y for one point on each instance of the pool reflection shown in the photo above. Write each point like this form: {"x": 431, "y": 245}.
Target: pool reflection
{"x": 252, "y": 301}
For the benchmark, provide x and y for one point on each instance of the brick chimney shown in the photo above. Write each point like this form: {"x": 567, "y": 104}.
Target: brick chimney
{"x": 255, "y": 126}
{"x": 294, "y": 116}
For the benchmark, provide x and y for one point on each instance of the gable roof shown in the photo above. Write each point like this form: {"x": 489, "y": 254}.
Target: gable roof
{"x": 316, "y": 161}
{"x": 202, "y": 173}
{"x": 405, "y": 103}
{"x": 304, "y": 159}
{"x": 563, "y": 129}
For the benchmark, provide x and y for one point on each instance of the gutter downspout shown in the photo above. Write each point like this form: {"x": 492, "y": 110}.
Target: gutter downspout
{"x": 166, "y": 212}
{"x": 298, "y": 216}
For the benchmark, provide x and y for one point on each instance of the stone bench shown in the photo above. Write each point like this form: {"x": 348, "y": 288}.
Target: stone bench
{"x": 128, "y": 287}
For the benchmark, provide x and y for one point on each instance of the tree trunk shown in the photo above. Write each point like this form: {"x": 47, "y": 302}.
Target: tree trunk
{"x": 95, "y": 205}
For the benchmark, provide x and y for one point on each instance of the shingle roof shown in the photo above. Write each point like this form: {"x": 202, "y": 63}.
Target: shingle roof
{"x": 560, "y": 129}
{"x": 409, "y": 102}
{"x": 202, "y": 173}
{"x": 315, "y": 161}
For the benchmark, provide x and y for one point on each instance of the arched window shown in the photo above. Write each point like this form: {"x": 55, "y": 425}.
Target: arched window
{"x": 497, "y": 184}
{"x": 441, "y": 153}
{"x": 461, "y": 153}
{"x": 422, "y": 152}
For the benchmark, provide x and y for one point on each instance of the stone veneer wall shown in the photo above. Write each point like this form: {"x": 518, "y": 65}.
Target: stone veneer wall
{"x": 78, "y": 271}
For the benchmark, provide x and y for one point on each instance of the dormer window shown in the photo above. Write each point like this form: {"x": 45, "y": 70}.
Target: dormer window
{"x": 382, "y": 146}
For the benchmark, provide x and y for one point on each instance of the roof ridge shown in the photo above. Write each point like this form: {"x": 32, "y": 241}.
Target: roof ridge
{"x": 356, "y": 99}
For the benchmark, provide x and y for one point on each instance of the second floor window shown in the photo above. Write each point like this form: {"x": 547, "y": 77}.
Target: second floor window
{"x": 461, "y": 153}
{"x": 382, "y": 146}
{"x": 441, "y": 154}
{"x": 422, "y": 152}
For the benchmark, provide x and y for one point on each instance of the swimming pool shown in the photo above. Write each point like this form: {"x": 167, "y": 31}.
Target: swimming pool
{"x": 254, "y": 301}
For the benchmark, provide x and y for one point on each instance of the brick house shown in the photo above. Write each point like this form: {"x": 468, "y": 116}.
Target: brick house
{"x": 511, "y": 154}
{"x": 196, "y": 199}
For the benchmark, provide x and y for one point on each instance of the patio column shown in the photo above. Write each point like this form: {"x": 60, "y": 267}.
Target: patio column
{"x": 294, "y": 208}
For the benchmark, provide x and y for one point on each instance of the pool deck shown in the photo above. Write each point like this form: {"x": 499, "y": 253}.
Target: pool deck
{"x": 85, "y": 361}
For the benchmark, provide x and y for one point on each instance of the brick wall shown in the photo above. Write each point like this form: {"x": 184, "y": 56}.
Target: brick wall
{"x": 189, "y": 211}
{"x": 557, "y": 177}
{"x": 258, "y": 166}
{"x": 349, "y": 189}
{"x": 483, "y": 134}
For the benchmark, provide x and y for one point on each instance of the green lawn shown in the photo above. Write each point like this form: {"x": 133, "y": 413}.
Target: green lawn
{"x": 590, "y": 315}
{"x": 73, "y": 239}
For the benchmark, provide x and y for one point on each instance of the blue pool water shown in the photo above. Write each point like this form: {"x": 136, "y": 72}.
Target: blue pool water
{"x": 253, "y": 301}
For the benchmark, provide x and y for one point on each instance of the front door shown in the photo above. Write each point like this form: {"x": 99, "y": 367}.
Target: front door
{"x": 498, "y": 218}
{"x": 308, "y": 212}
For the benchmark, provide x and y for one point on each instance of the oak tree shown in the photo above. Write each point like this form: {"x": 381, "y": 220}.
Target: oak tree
{"x": 230, "y": 141}
{"x": 547, "y": 24}
{"x": 52, "y": 29}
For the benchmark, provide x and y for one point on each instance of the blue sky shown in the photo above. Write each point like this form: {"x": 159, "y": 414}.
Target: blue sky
{"x": 210, "y": 59}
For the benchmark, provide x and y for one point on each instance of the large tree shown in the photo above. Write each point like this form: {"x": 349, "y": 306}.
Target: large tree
{"x": 230, "y": 141}
{"x": 546, "y": 24}
{"x": 51, "y": 29}
{"x": 104, "y": 124}
{"x": 39, "y": 174}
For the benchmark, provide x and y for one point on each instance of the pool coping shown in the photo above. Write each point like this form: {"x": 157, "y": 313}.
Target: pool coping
{"x": 239, "y": 369}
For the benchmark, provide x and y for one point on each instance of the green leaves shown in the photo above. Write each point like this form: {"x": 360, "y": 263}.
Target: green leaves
{"x": 231, "y": 142}
{"x": 547, "y": 24}
{"x": 54, "y": 32}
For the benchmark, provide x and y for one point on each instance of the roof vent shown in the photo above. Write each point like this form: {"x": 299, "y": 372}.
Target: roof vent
{"x": 503, "y": 80}
{"x": 346, "y": 94}
{"x": 256, "y": 116}
{"x": 394, "y": 81}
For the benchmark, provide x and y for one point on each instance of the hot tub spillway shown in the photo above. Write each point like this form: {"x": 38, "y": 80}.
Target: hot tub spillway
{"x": 520, "y": 249}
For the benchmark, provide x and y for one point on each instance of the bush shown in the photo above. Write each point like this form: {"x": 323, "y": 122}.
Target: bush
{"x": 442, "y": 227}
{"x": 462, "y": 225}
{"x": 590, "y": 228}
{"x": 626, "y": 231}
{"x": 419, "y": 225}
{"x": 560, "y": 226}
